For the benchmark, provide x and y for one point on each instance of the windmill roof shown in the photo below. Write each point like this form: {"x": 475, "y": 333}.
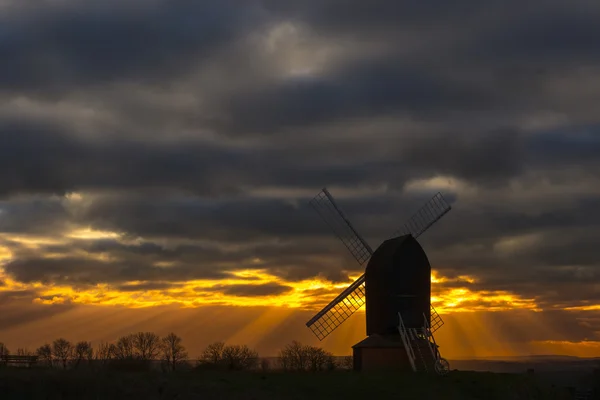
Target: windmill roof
{"x": 380, "y": 341}
{"x": 398, "y": 239}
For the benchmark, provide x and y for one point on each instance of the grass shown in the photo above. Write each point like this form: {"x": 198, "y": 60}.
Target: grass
{"x": 53, "y": 384}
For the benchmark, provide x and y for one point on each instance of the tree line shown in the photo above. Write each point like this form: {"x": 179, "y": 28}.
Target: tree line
{"x": 138, "y": 349}
{"x": 142, "y": 346}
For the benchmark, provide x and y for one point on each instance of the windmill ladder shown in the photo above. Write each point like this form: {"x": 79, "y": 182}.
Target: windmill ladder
{"x": 407, "y": 343}
{"x": 415, "y": 339}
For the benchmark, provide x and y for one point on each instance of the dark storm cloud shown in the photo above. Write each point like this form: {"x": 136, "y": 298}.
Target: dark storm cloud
{"x": 147, "y": 286}
{"x": 81, "y": 272}
{"x": 472, "y": 59}
{"x": 265, "y": 289}
{"x": 374, "y": 89}
{"x": 547, "y": 32}
{"x": 47, "y": 159}
{"x": 217, "y": 219}
{"x": 33, "y": 215}
{"x": 53, "y": 46}
{"x": 128, "y": 262}
{"x": 38, "y": 159}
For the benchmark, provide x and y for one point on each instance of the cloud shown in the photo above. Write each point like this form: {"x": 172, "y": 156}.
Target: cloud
{"x": 193, "y": 137}
{"x": 84, "y": 272}
{"x": 267, "y": 289}
{"x": 147, "y": 286}
{"x": 52, "y": 46}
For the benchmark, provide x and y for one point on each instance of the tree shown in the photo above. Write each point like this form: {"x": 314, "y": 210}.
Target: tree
{"x": 83, "y": 351}
{"x": 239, "y": 357}
{"x": 294, "y": 357}
{"x": 3, "y": 350}
{"x": 124, "y": 348}
{"x": 44, "y": 353}
{"x": 298, "y": 357}
{"x": 213, "y": 354}
{"x": 105, "y": 352}
{"x": 319, "y": 359}
{"x": 23, "y": 352}
{"x": 146, "y": 345}
{"x": 172, "y": 349}
{"x": 348, "y": 362}
{"x": 62, "y": 350}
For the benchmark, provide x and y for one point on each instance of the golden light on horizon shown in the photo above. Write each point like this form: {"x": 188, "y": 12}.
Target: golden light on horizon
{"x": 244, "y": 288}
{"x": 466, "y": 333}
{"x": 309, "y": 294}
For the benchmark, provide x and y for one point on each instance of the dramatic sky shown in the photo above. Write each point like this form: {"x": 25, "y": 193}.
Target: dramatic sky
{"x": 157, "y": 158}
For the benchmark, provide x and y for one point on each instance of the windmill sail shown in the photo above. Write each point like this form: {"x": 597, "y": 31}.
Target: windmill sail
{"x": 353, "y": 297}
{"x": 423, "y": 219}
{"x": 325, "y": 205}
{"x": 338, "y": 310}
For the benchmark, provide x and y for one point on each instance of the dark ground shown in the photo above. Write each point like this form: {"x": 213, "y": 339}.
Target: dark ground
{"x": 22, "y": 384}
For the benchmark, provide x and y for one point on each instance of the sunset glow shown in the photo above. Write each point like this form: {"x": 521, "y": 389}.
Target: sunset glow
{"x": 309, "y": 294}
{"x": 159, "y": 162}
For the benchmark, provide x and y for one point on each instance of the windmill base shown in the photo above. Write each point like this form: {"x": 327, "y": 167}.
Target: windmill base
{"x": 381, "y": 352}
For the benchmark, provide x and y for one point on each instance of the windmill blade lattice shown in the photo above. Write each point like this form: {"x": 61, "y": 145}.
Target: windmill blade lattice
{"x": 339, "y": 309}
{"x": 428, "y": 215}
{"x": 324, "y": 204}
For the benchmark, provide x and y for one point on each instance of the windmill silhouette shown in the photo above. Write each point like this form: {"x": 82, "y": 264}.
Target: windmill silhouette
{"x": 396, "y": 288}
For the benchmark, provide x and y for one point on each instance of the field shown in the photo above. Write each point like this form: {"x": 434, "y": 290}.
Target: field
{"x": 52, "y": 384}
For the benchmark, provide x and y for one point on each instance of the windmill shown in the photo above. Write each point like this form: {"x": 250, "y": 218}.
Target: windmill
{"x": 396, "y": 288}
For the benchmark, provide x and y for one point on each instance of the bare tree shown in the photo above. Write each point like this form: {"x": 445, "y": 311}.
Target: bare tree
{"x": 44, "y": 353}
{"x": 294, "y": 357}
{"x": 239, "y": 357}
{"x": 124, "y": 348}
{"x": 83, "y": 351}
{"x": 319, "y": 359}
{"x": 146, "y": 345}
{"x": 173, "y": 350}
{"x": 213, "y": 354}
{"x": 298, "y": 357}
{"x": 348, "y": 362}
{"x": 105, "y": 352}
{"x": 3, "y": 350}
{"x": 62, "y": 349}
{"x": 23, "y": 352}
